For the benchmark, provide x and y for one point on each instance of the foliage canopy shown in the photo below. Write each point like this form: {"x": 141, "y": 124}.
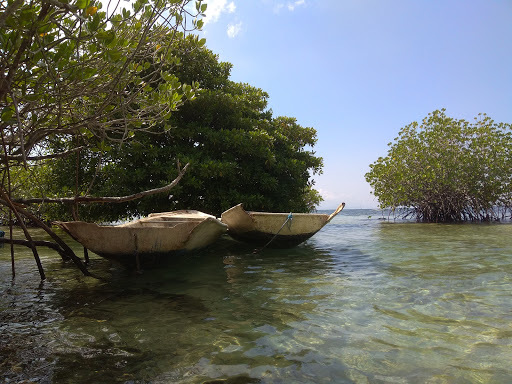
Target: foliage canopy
{"x": 75, "y": 72}
{"x": 447, "y": 170}
{"x": 237, "y": 150}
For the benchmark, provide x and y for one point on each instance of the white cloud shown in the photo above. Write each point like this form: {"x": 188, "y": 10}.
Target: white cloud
{"x": 215, "y": 8}
{"x": 290, "y": 5}
{"x": 234, "y": 29}
{"x": 297, "y": 3}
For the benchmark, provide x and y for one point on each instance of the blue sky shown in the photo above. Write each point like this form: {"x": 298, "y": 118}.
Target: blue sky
{"x": 359, "y": 70}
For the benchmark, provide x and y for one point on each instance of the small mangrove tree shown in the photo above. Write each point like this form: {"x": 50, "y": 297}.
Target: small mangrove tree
{"x": 447, "y": 170}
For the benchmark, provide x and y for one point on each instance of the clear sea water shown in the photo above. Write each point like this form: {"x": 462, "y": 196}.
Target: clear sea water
{"x": 365, "y": 300}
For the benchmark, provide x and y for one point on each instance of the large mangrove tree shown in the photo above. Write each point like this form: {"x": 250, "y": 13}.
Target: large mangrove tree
{"x": 237, "y": 150}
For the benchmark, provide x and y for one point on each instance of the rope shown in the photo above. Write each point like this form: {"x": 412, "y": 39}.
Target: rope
{"x": 289, "y": 221}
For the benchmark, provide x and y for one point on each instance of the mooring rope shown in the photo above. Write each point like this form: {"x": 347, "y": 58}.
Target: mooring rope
{"x": 288, "y": 220}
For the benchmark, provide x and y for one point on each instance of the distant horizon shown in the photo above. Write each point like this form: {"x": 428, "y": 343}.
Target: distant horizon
{"x": 350, "y": 209}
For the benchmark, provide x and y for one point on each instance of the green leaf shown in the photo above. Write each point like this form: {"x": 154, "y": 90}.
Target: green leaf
{"x": 82, "y": 3}
{"x": 94, "y": 23}
{"x": 7, "y": 113}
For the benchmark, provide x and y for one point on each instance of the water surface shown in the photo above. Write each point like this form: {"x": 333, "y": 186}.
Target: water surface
{"x": 364, "y": 301}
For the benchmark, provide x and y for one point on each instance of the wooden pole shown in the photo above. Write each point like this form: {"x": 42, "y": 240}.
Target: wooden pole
{"x": 12, "y": 246}
{"x": 25, "y": 231}
{"x": 8, "y": 171}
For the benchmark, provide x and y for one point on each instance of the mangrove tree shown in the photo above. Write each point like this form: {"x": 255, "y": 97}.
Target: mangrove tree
{"x": 447, "y": 170}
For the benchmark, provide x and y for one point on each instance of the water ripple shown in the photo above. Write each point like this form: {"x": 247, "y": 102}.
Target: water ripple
{"x": 363, "y": 301}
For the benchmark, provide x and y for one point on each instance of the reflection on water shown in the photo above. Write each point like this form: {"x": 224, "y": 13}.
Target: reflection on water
{"x": 364, "y": 301}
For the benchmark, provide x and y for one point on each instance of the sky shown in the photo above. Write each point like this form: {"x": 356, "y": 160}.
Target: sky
{"x": 359, "y": 70}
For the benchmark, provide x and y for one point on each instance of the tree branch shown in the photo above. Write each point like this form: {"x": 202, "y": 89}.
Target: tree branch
{"x": 43, "y": 157}
{"x": 37, "y": 243}
{"x": 118, "y": 199}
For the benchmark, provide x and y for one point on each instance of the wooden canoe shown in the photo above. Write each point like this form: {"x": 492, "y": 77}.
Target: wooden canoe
{"x": 159, "y": 233}
{"x": 277, "y": 230}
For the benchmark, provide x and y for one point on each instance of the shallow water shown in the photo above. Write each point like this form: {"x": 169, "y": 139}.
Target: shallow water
{"x": 364, "y": 301}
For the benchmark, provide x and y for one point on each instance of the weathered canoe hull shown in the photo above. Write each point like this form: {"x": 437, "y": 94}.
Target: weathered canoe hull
{"x": 274, "y": 229}
{"x": 157, "y": 234}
